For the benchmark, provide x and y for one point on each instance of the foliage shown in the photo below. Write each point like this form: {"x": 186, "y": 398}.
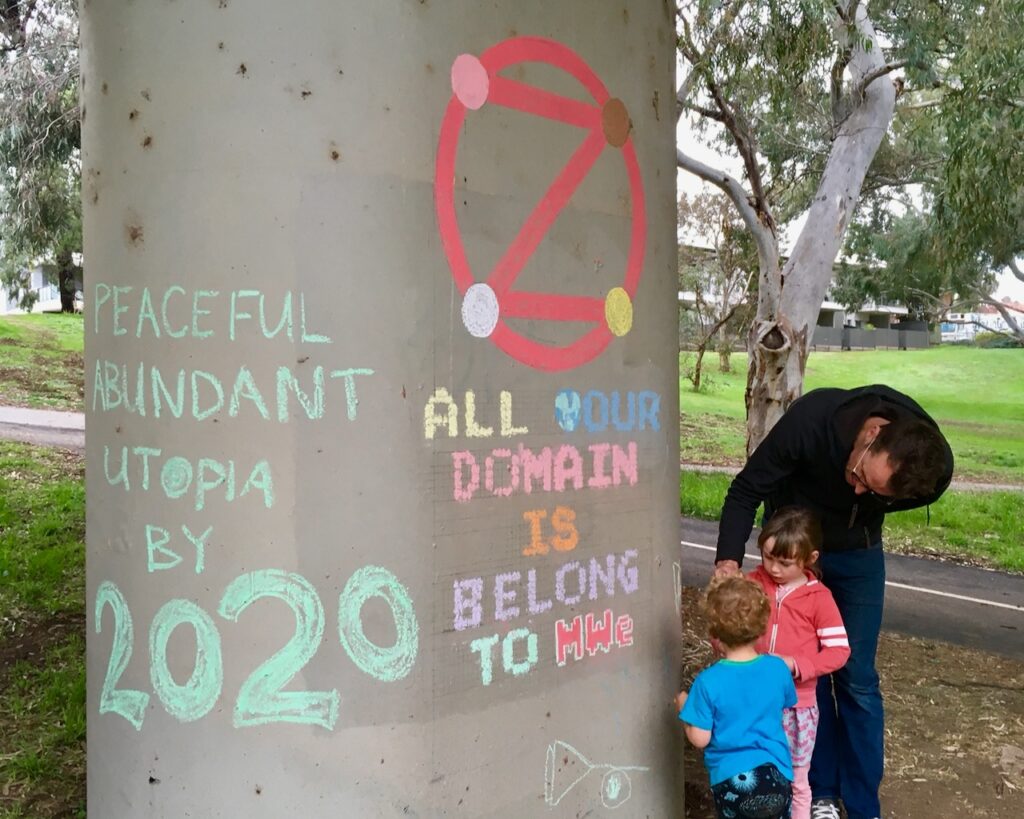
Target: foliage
{"x": 40, "y": 168}
{"x": 719, "y": 279}
{"x": 996, "y": 341}
{"x": 969, "y": 220}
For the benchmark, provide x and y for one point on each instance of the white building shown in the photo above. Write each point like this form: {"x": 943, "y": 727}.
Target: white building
{"x": 964, "y": 326}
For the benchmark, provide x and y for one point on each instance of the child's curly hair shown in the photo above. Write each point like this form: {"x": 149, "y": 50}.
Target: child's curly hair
{"x": 737, "y": 610}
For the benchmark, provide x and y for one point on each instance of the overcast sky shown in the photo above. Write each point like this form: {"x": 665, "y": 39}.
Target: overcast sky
{"x": 1009, "y": 285}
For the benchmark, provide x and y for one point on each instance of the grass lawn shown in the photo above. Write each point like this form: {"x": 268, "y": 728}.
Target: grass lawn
{"x": 41, "y": 361}
{"x": 42, "y": 633}
{"x": 981, "y": 527}
{"x": 977, "y": 397}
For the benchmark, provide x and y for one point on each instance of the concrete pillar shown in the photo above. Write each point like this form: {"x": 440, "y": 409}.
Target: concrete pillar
{"x": 382, "y": 408}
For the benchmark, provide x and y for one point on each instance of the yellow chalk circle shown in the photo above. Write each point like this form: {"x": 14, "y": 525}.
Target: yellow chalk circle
{"x": 618, "y": 311}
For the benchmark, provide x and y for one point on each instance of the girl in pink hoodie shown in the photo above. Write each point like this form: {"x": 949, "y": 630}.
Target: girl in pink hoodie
{"x": 804, "y": 629}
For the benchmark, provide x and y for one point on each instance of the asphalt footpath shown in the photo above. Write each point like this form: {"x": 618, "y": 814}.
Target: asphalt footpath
{"x": 933, "y": 599}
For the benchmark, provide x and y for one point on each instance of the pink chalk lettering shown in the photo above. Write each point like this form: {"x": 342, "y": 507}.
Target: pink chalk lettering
{"x": 599, "y": 480}
{"x": 464, "y": 492}
{"x": 535, "y": 467}
{"x": 599, "y": 635}
{"x": 568, "y": 465}
{"x": 512, "y": 469}
{"x": 568, "y": 638}
{"x": 624, "y": 630}
{"x": 624, "y": 464}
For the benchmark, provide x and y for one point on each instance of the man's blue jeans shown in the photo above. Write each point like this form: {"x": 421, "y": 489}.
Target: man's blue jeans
{"x": 848, "y": 755}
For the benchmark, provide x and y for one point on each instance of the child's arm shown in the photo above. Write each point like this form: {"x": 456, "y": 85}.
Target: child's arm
{"x": 699, "y": 738}
{"x": 833, "y": 644}
{"x": 694, "y": 707}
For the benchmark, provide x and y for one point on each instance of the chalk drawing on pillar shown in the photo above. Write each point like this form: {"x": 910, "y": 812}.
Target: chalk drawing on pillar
{"x": 477, "y": 81}
{"x": 565, "y": 768}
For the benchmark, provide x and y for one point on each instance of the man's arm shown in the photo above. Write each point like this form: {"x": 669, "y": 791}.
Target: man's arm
{"x": 774, "y": 460}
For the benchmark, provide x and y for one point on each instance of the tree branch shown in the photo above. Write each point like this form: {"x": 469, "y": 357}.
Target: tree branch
{"x": 1015, "y": 269}
{"x": 875, "y": 73}
{"x": 1008, "y": 317}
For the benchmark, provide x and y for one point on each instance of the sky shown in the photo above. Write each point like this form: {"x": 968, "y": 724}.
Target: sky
{"x": 1009, "y": 285}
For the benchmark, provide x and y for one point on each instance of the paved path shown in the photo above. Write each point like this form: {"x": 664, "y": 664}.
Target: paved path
{"x": 933, "y": 599}
{"x": 44, "y": 427}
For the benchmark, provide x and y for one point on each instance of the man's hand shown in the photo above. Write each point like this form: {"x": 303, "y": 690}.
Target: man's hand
{"x": 725, "y": 568}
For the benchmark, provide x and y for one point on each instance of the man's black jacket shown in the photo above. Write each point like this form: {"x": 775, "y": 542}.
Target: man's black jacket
{"x": 802, "y": 461}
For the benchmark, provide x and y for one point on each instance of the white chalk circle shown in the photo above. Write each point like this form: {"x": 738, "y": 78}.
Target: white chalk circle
{"x": 480, "y": 310}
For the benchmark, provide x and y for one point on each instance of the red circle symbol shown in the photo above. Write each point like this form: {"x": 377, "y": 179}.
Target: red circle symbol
{"x": 487, "y": 304}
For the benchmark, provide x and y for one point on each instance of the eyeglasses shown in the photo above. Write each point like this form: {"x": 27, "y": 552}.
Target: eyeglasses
{"x": 885, "y": 500}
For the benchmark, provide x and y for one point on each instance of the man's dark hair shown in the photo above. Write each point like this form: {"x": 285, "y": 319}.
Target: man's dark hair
{"x": 917, "y": 454}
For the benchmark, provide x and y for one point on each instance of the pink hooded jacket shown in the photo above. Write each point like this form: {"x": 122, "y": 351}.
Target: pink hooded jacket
{"x": 805, "y": 625}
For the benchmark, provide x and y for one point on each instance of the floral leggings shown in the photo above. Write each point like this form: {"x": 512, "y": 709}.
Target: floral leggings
{"x": 761, "y": 793}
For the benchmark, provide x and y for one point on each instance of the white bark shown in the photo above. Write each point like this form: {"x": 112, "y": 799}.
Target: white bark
{"x": 780, "y": 336}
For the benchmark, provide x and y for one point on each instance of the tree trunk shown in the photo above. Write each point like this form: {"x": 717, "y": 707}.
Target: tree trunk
{"x": 724, "y": 364}
{"x": 695, "y": 378}
{"x": 788, "y": 308}
{"x": 66, "y": 282}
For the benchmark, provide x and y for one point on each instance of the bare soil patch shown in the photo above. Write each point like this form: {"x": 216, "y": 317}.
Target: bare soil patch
{"x": 954, "y": 727}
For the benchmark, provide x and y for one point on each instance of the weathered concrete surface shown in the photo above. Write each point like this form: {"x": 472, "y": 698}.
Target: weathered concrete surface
{"x": 363, "y": 462}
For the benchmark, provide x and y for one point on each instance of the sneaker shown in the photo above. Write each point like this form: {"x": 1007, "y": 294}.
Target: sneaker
{"x": 825, "y": 809}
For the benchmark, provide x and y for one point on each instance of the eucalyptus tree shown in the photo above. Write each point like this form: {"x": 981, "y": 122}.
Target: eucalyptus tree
{"x": 826, "y": 107}
{"x": 40, "y": 205}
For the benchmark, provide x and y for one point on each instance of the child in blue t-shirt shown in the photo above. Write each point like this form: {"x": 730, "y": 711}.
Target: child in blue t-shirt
{"x": 734, "y": 708}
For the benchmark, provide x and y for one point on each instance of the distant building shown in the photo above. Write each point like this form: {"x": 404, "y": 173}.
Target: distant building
{"x": 43, "y": 281}
{"x": 964, "y": 326}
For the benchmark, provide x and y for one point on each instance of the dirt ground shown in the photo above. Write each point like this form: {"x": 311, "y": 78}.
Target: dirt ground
{"x": 954, "y": 728}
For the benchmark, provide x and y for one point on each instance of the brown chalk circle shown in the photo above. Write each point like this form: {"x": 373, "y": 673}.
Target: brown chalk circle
{"x": 615, "y": 122}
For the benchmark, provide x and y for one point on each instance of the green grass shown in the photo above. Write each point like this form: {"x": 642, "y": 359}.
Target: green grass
{"x": 41, "y": 363}
{"x": 980, "y": 527}
{"x": 42, "y": 640}
{"x": 977, "y": 397}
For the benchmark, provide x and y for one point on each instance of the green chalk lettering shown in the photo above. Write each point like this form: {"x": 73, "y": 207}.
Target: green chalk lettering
{"x": 390, "y": 663}
{"x": 138, "y": 404}
{"x": 260, "y": 699}
{"x": 98, "y": 391}
{"x": 112, "y": 396}
{"x": 286, "y": 317}
{"x": 351, "y": 399}
{"x": 146, "y": 311}
{"x": 163, "y": 315}
{"x": 260, "y": 478}
{"x": 145, "y": 452}
{"x": 156, "y": 540}
{"x": 245, "y": 387}
{"x": 119, "y": 309}
{"x": 309, "y": 338}
{"x": 97, "y": 302}
{"x": 196, "y": 697}
{"x": 176, "y": 477}
{"x": 122, "y": 475}
{"x": 484, "y": 646}
{"x": 200, "y": 543}
{"x": 204, "y": 484}
{"x": 159, "y": 388}
{"x": 126, "y": 702}
{"x": 234, "y": 313}
{"x": 508, "y": 647}
{"x": 213, "y": 381}
{"x": 286, "y": 381}
{"x": 197, "y": 311}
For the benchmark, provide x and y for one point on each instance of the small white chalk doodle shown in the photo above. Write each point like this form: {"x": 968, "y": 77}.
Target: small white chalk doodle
{"x": 677, "y": 585}
{"x": 565, "y": 768}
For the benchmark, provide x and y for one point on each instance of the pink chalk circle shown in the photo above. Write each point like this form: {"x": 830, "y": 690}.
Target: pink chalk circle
{"x": 470, "y": 81}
